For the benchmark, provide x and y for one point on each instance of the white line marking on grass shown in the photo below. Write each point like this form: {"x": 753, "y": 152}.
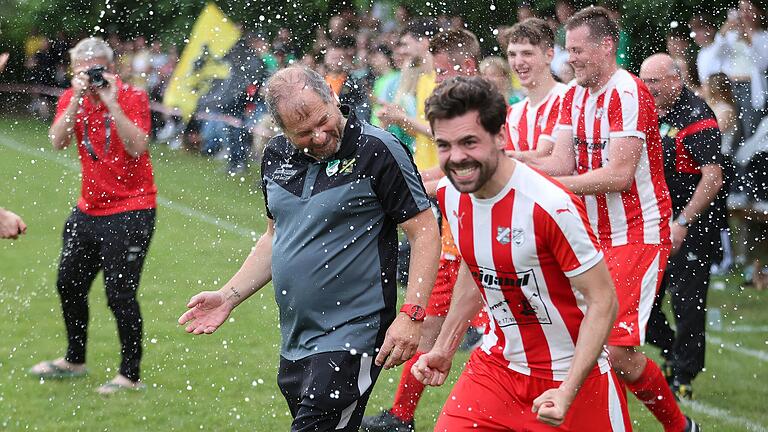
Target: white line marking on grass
{"x": 165, "y": 202}
{"x": 760, "y": 355}
{"x": 745, "y": 329}
{"x": 723, "y": 415}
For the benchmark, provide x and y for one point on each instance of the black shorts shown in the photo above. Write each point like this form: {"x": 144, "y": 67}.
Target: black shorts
{"x": 327, "y": 391}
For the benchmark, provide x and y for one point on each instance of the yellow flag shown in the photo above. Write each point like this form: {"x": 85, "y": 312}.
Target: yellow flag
{"x": 213, "y": 35}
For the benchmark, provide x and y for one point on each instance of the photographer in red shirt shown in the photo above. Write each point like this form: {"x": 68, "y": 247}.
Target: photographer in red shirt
{"x": 112, "y": 225}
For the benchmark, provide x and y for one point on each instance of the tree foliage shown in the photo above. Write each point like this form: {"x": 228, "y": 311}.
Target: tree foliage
{"x": 170, "y": 21}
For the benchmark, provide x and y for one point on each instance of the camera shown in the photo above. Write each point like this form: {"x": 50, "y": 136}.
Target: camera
{"x": 96, "y": 76}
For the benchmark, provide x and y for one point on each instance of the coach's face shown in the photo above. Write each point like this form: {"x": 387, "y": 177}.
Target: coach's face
{"x": 469, "y": 155}
{"x": 587, "y": 56}
{"x": 313, "y": 125}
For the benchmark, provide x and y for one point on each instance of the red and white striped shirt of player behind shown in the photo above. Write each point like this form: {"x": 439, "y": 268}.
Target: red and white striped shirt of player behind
{"x": 623, "y": 108}
{"x": 521, "y": 246}
{"x": 527, "y": 124}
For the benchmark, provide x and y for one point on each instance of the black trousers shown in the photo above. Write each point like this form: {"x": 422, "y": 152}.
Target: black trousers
{"x": 327, "y": 391}
{"x": 687, "y": 282}
{"x": 116, "y": 245}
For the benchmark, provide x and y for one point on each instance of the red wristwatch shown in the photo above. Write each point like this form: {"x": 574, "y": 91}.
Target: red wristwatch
{"x": 415, "y": 312}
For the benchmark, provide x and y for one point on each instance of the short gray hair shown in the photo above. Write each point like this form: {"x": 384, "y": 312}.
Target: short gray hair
{"x": 90, "y": 48}
{"x": 287, "y": 82}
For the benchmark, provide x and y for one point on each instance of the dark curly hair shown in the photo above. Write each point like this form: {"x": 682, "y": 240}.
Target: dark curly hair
{"x": 460, "y": 95}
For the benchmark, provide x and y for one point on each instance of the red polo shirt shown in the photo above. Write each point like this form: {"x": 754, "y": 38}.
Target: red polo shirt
{"x": 114, "y": 181}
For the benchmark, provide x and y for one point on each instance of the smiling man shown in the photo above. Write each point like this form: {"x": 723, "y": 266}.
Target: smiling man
{"x": 531, "y": 257}
{"x": 336, "y": 189}
{"x": 608, "y": 134}
{"x": 531, "y": 122}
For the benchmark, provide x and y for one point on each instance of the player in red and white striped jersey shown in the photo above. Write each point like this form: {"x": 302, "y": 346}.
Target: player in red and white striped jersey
{"x": 531, "y": 122}
{"x": 531, "y": 256}
{"x": 608, "y": 135}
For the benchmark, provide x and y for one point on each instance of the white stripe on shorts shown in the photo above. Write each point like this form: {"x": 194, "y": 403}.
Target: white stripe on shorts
{"x": 363, "y": 382}
{"x": 615, "y": 413}
{"x": 647, "y": 296}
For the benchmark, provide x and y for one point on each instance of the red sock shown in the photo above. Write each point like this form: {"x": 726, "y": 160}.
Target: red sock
{"x": 652, "y": 390}
{"x": 408, "y": 392}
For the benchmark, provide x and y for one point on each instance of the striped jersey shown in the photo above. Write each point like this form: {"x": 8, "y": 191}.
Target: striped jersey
{"x": 623, "y": 108}
{"x": 527, "y": 124}
{"x": 521, "y": 247}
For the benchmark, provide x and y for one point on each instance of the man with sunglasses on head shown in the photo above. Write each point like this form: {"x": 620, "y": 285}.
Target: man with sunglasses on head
{"x": 111, "y": 227}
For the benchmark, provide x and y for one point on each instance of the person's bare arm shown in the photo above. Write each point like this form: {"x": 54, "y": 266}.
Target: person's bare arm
{"x": 402, "y": 337}
{"x": 599, "y": 294}
{"x": 616, "y": 176}
{"x": 559, "y": 162}
{"x": 434, "y": 366}
{"x": 136, "y": 140}
{"x": 62, "y": 130}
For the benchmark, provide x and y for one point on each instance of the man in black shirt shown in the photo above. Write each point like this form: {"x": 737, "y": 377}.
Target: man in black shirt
{"x": 693, "y": 170}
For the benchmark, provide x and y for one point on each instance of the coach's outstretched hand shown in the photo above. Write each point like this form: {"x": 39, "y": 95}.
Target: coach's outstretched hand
{"x": 11, "y": 225}
{"x": 552, "y": 405}
{"x": 208, "y": 310}
{"x": 432, "y": 368}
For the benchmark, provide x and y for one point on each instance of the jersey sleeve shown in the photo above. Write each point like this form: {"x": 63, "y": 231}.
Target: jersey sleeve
{"x": 566, "y": 233}
{"x": 397, "y": 183}
{"x": 565, "y": 116}
{"x": 628, "y": 112}
{"x": 551, "y": 120}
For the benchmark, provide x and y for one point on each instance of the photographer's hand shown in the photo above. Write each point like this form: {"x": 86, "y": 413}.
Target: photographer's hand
{"x": 135, "y": 140}
{"x": 108, "y": 94}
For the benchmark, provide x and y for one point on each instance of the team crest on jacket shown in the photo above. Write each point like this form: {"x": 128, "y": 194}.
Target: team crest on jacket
{"x": 518, "y": 236}
{"x": 503, "y": 235}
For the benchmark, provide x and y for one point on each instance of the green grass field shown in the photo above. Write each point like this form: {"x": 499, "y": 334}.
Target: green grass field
{"x": 226, "y": 381}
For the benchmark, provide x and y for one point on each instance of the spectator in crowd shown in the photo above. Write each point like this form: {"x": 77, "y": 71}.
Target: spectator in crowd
{"x": 497, "y": 72}
{"x": 330, "y": 149}
{"x": 726, "y": 51}
{"x": 679, "y": 47}
{"x": 112, "y": 225}
{"x": 419, "y": 78}
{"x": 693, "y": 170}
{"x": 720, "y": 98}
{"x": 386, "y": 91}
{"x": 349, "y": 89}
{"x": 563, "y": 10}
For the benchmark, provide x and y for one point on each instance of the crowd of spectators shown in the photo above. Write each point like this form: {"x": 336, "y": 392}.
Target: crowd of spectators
{"x": 377, "y": 62}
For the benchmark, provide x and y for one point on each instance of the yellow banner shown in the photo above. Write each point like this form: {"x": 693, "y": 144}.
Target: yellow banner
{"x": 213, "y": 35}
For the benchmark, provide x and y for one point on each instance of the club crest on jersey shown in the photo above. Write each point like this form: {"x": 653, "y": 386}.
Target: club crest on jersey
{"x": 503, "y": 235}
{"x": 599, "y": 112}
{"x": 518, "y": 236}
